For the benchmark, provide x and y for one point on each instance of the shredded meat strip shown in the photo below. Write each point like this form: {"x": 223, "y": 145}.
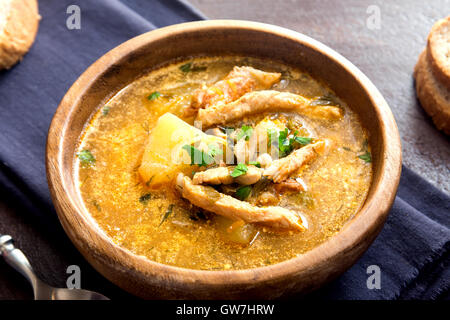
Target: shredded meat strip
{"x": 208, "y": 198}
{"x": 222, "y": 175}
{"x": 262, "y": 101}
{"x": 238, "y": 82}
{"x": 279, "y": 170}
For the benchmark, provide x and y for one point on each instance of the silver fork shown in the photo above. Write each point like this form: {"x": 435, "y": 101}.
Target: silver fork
{"x": 42, "y": 291}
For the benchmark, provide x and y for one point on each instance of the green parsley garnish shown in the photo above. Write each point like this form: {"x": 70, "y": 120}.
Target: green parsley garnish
{"x": 214, "y": 151}
{"x": 167, "y": 214}
{"x": 186, "y": 67}
{"x": 255, "y": 163}
{"x": 284, "y": 143}
{"x": 243, "y": 192}
{"x": 303, "y": 140}
{"x": 239, "y": 170}
{"x": 145, "y": 198}
{"x": 245, "y": 131}
{"x": 190, "y": 67}
{"x": 86, "y": 157}
{"x": 154, "y": 95}
{"x": 198, "y": 157}
{"x": 105, "y": 110}
{"x": 366, "y": 157}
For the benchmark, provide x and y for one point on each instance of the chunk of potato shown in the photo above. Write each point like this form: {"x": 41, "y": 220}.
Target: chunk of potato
{"x": 237, "y": 232}
{"x": 164, "y": 157}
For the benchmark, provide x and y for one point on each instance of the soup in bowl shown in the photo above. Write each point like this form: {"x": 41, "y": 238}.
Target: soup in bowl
{"x": 219, "y": 169}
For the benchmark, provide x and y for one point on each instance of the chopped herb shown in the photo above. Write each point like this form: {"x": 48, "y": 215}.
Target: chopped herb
{"x": 245, "y": 131}
{"x": 290, "y": 125}
{"x": 303, "y": 140}
{"x": 198, "y": 157}
{"x": 367, "y": 157}
{"x": 190, "y": 67}
{"x": 96, "y": 205}
{"x": 255, "y": 163}
{"x": 327, "y": 100}
{"x": 186, "y": 67}
{"x": 149, "y": 181}
{"x": 346, "y": 148}
{"x": 243, "y": 192}
{"x": 154, "y": 95}
{"x": 284, "y": 143}
{"x": 86, "y": 157}
{"x": 145, "y": 198}
{"x": 214, "y": 151}
{"x": 167, "y": 214}
{"x": 239, "y": 170}
{"x": 105, "y": 110}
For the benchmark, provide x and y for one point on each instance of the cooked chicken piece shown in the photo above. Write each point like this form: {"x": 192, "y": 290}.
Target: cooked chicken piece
{"x": 208, "y": 198}
{"x": 238, "y": 82}
{"x": 261, "y": 101}
{"x": 290, "y": 185}
{"x": 282, "y": 168}
{"x": 222, "y": 175}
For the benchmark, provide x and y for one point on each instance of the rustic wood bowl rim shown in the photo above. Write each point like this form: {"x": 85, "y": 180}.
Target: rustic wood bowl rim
{"x": 371, "y": 215}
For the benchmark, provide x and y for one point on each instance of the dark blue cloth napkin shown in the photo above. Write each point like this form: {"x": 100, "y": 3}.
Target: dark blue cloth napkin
{"x": 412, "y": 251}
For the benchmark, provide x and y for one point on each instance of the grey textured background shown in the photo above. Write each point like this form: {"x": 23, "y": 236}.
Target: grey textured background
{"x": 387, "y": 56}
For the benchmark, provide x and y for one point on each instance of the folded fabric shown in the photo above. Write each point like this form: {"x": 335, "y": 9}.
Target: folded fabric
{"x": 411, "y": 251}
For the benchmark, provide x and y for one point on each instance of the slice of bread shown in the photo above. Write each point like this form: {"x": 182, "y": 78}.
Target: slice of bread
{"x": 438, "y": 50}
{"x": 433, "y": 95}
{"x": 19, "y": 21}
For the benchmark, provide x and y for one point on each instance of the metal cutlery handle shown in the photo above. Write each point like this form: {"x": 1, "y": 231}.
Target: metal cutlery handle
{"x": 16, "y": 259}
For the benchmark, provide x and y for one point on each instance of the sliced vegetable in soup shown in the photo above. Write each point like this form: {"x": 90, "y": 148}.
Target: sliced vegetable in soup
{"x": 224, "y": 163}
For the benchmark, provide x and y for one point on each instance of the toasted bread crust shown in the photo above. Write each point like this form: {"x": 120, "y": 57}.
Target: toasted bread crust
{"x": 434, "y": 97}
{"x": 438, "y": 51}
{"x": 20, "y": 22}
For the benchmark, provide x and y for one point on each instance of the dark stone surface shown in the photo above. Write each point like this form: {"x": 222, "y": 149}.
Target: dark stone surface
{"x": 386, "y": 55}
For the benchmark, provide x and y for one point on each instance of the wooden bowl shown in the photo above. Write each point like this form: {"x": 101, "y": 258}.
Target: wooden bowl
{"x": 130, "y": 60}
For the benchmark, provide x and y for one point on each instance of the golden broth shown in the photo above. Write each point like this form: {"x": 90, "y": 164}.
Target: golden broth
{"x": 161, "y": 226}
